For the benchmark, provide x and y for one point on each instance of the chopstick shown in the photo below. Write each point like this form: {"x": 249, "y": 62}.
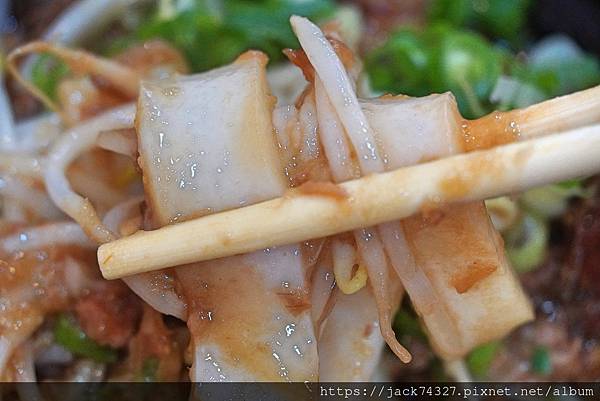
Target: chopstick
{"x": 301, "y": 215}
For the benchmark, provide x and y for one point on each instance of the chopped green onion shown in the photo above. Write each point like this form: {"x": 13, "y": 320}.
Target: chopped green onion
{"x": 47, "y": 73}
{"x": 454, "y": 12}
{"x": 437, "y": 59}
{"x": 501, "y": 19}
{"x": 559, "y": 56}
{"x": 401, "y": 65}
{"x": 213, "y": 33}
{"x": 481, "y": 358}
{"x": 149, "y": 370}
{"x": 571, "y": 184}
{"x": 552, "y": 201}
{"x": 526, "y": 243}
{"x": 541, "y": 363}
{"x": 467, "y": 65}
{"x": 68, "y": 334}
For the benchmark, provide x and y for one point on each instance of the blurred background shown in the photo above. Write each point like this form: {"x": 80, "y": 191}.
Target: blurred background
{"x": 492, "y": 54}
{"x": 531, "y": 49}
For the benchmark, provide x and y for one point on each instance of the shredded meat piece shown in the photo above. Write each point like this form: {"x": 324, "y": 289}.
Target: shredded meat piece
{"x": 154, "y": 339}
{"x": 109, "y": 314}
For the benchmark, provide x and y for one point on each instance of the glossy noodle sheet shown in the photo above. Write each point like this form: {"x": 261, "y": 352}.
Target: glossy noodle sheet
{"x": 249, "y": 316}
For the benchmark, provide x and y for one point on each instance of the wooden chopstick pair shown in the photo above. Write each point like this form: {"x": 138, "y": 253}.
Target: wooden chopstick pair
{"x": 301, "y": 215}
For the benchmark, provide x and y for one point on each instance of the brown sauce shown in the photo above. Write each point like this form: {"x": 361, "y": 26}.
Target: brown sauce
{"x": 495, "y": 129}
{"x": 432, "y": 212}
{"x": 295, "y": 301}
{"x": 323, "y": 189}
{"x": 226, "y": 301}
{"x": 464, "y": 280}
{"x": 458, "y": 184}
{"x": 315, "y": 170}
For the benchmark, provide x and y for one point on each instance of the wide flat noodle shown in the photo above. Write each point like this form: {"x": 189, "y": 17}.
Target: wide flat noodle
{"x": 451, "y": 260}
{"x": 211, "y": 147}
